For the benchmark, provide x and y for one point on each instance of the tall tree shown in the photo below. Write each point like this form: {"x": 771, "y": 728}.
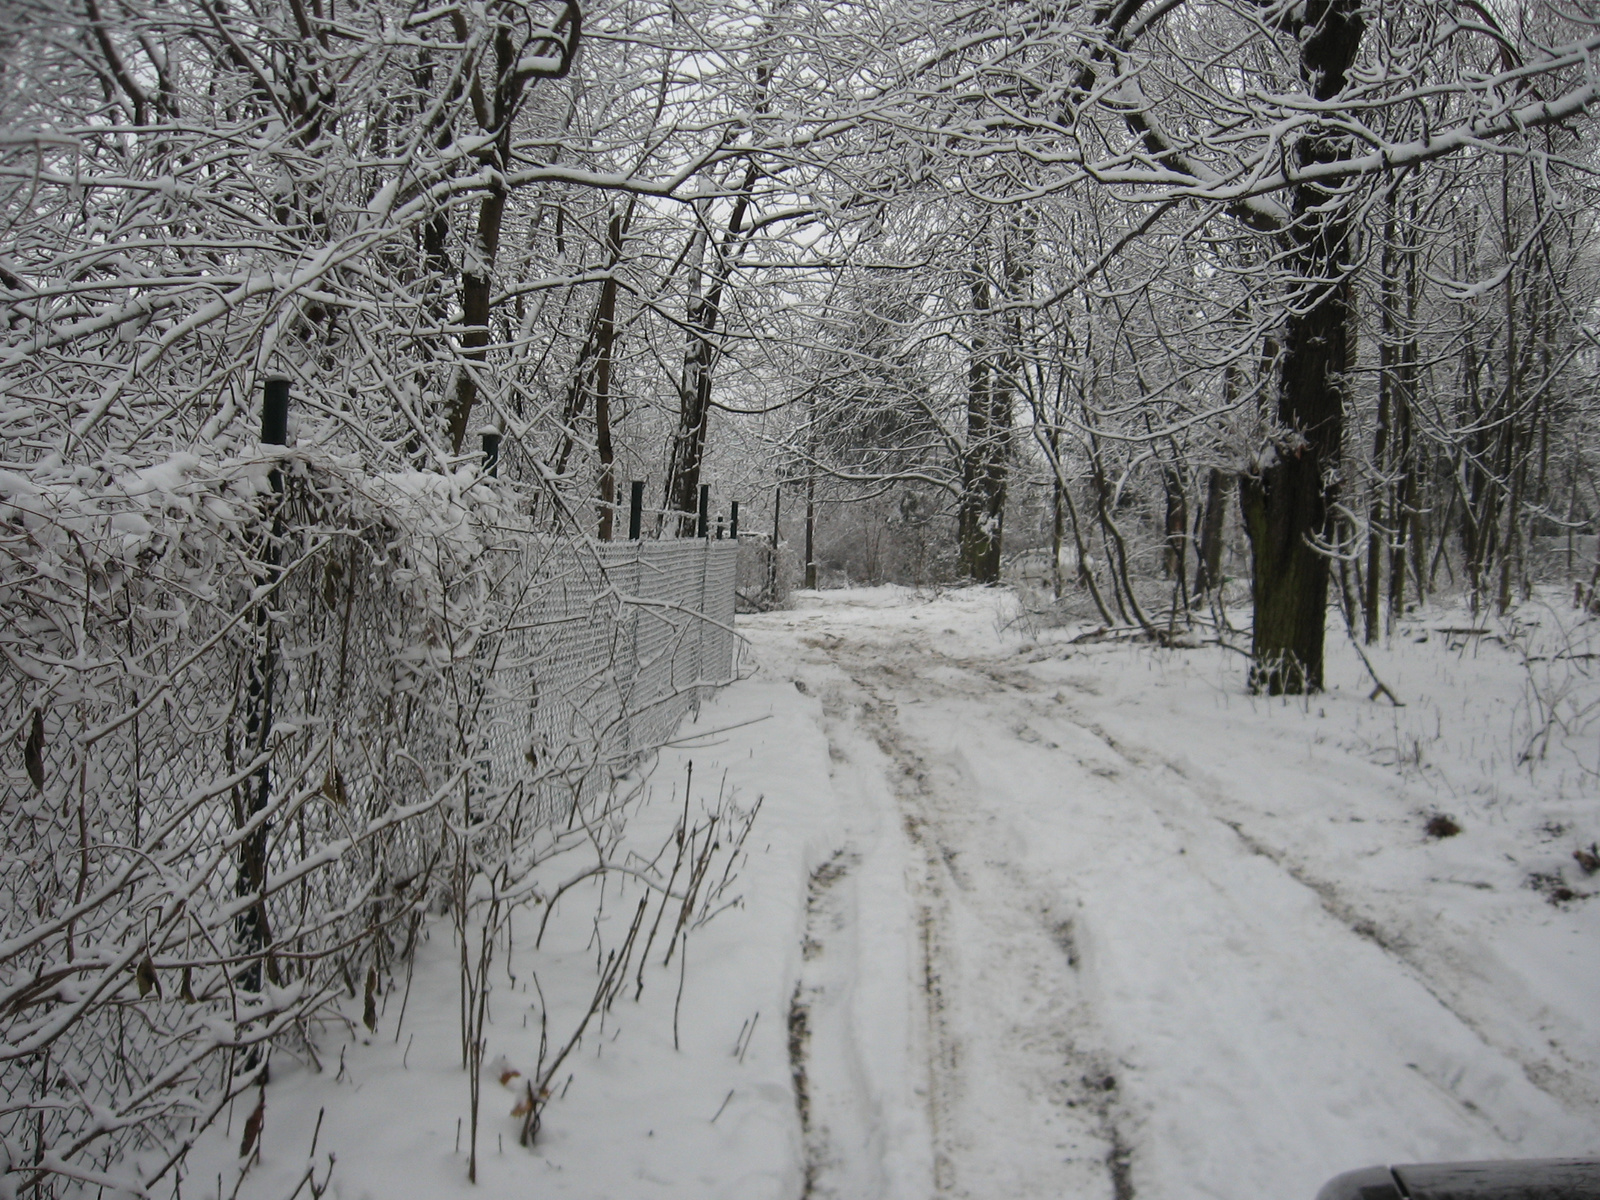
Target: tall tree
{"x": 1297, "y": 179}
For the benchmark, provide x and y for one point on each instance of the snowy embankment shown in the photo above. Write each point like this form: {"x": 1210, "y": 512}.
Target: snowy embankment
{"x": 1030, "y": 917}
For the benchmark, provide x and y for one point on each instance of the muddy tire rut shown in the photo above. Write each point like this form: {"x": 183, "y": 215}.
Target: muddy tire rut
{"x": 980, "y": 918}
{"x": 1120, "y": 972}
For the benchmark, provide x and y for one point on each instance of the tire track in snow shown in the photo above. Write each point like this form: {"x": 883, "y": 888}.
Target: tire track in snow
{"x": 821, "y": 913}
{"x": 841, "y": 1127}
{"x": 1241, "y": 942}
{"x": 1431, "y": 966}
{"x": 978, "y": 917}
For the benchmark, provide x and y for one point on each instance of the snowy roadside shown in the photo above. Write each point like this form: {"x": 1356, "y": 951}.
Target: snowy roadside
{"x": 1025, "y": 916}
{"x": 638, "y": 1118}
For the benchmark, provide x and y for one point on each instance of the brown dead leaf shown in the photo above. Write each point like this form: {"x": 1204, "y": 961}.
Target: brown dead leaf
{"x": 333, "y": 785}
{"x": 524, "y": 1104}
{"x": 252, "y": 1127}
{"x": 33, "y": 751}
{"x": 145, "y": 977}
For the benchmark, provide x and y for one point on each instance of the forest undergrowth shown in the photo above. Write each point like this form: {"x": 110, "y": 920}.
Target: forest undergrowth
{"x": 1490, "y": 718}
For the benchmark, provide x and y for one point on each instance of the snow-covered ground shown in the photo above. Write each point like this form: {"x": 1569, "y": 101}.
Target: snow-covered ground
{"x": 1030, "y": 916}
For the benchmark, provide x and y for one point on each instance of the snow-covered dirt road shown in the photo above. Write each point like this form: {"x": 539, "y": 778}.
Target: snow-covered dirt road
{"x": 1124, "y": 973}
{"x": 1025, "y": 915}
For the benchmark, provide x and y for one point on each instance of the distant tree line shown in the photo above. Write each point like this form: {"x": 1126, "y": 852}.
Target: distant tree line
{"x": 1321, "y": 271}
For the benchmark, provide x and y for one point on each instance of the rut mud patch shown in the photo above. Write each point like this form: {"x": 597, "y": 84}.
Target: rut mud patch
{"x": 1065, "y": 938}
{"x": 799, "y": 1039}
{"x": 1328, "y": 896}
{"x": 952, "y": 864}
{"x": 822, "y": 915}
{"x": 1441, "y": 825}
{"x": 822, "y": 879}
{"x": 1119, "y": 1162}
{"x": 828, "y": 874}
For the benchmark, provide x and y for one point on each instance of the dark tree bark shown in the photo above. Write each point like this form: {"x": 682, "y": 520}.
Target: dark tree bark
{"x": 1057, "y": 512}
{"x": 1286, "y": 499}
{"x": 981, "y": 515}
{"x": 702, "y": 317}
{"x": 1407, "y": 531}
{"x": 1376, "y": 541}
{"x": 496, "y": 110}
{"x": 594, "y": 373}
{"x": 1208, "y": 570}
{"x": 1176, "y": 556}
{"x": 605, "y": 338}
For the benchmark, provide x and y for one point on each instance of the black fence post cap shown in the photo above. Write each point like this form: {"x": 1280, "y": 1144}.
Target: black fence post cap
{"x": 275, "y": 410}
{"x": 635, "y": 509}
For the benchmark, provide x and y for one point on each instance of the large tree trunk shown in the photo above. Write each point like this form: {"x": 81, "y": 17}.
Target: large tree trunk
{"x": 1376, "y": 540}
{"x": 476, "y": 282}
{"x": 983, "y": 469}
{"x": 1176, "y": 557}
{"x": 681, "y": 500}
{"x": 1057, "y": 524}
{"x": 594, "y": 373}
{"x": 1407, "y": 525}
{"x": 605, "y": 337}
{"x": 811, "y": 534}
{"x": 1287, "y": 498}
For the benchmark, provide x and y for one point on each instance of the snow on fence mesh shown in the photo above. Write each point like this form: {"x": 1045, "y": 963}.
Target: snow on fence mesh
{"x": 252, "y": 702}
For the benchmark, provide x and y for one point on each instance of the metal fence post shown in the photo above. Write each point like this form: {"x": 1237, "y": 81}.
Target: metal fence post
{"x": 635, "y": 509}
{"x": 638, "y": 592}
{"x": 275, "y": 411}
{"x": 700, "y": 640}
{"x": 251, "y": 924}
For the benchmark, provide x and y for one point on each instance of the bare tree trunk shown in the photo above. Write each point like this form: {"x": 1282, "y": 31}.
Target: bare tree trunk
{"x": 475, "y": 294}
{"x": 811, "y": 533}
{"x": 1512, "y": 472}
{"x": 1064, "y": 506}
{"x": 992, "y": 364}
{"x": 1286, "y": 499}
{"x": 702, "y": 316}
{"x": 1208, "y": 570}
{"x": 983, "y": 484}
{"x": 1176, "y": 553}
{"x": 605, "y": 338}
{"x": 594, "y": 371}
{"x": 1056, "y": 513}
{"x": 1407, "y": 523}
{"x": 1376, "y": 539}
{"x": 497, "y": 107}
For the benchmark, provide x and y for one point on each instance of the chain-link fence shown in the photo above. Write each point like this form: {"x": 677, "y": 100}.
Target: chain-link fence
{"x": 249, "y": 701}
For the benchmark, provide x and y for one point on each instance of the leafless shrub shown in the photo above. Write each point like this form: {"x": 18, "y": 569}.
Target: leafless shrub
{"x": 266, "y": 714}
